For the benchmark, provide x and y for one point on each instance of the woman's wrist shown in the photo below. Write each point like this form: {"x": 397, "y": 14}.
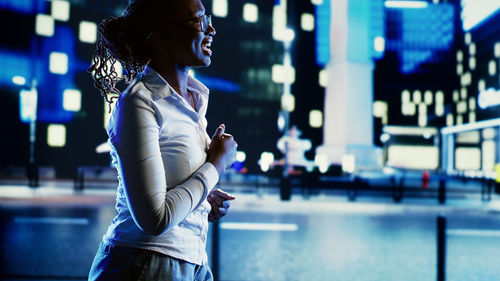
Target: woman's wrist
{"x": 220, "y": 169}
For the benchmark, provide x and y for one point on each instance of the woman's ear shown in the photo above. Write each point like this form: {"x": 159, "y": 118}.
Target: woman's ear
{"x": 159, "y": 37}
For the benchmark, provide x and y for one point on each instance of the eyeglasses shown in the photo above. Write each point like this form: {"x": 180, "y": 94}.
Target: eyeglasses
{"x": 204, "y": 21}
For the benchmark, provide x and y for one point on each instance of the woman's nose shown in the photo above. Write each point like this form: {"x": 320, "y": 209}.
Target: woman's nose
{"x": 211, "y": 30}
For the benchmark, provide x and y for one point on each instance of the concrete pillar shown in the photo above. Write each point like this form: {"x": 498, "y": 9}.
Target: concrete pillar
{"x": 348, "y": 124}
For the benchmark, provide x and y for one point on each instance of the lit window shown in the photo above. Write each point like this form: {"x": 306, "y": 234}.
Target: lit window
{"x": 422, "y": 109}
{"x": 488, "y": 158}
{"x": 460, "y": 69}
{"x": 492, "y": 67}
{"x": 460, "y": 119}
{"x": 467, "y": 158}
{"x": 379, "y": 109}
{"x": 472, "y": 49}
{"x": 456, "y": 96}
{"x": 497, "y": 49}
{"x": 439, "y": 97}
{"x": 317, "y": 2}
{"x": 280, "y": 31}
{"x": 219, "y": 8}
{"x": 323, "y": 78}
{"x": 413, "y": 156}
{"x": 288, "y": 102}
{"x": 417, "y": 96}
{"x": 472, "y": 63}
{"x": 60, "y": 10}
{"x": 463, "y": 80}
{"x": 460, "y": 56}
{"x": 315, "y": 118}
{"x": 18, "y": 80}
{"x": 472, "y": 117}
{"x": 439, "y": 109}
{"x": 283, "y": 34}
{"x": 412, "y": 109}
{"x": 44, "y": 25}
{"x": 307, "y": 22}
{"x": 72, "y": 100}
{"x": 468, "y": 38}
{"x": 468, "y": 78}
{"x": 321, "y": 160}
{"x": 404, "y": 108}
{"x": 461, "y": 107}
{"x": 481, "y": 85}
{"x": 405, "y": 96}
{"x": 379, "y": 44}
{"x": 265, "y": 161}
{"x": 472, "y": 103}
{"x": 422, "y": 120}
{"x": 279, "y": 16}
{"x": 250, "y": 12}
{"x": 463, "y": 93}
{"x": 87, "y": 32}
{"x": 283, "y": 74}
{"x": 449, "y": 119}
{"x": 241, "y": 156}
{"x": 348, "y": 163}
{"x": 56, "y": 135}
{"x": 58, "y": 63}
{"x": 428, "y": 97}
{"x": 489, "y": 133}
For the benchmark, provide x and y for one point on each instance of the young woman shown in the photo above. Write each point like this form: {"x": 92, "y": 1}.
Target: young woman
{"x": 167, "y": 164}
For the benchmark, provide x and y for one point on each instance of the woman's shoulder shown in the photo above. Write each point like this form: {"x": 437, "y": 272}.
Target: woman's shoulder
{"x": 137, "y": 89}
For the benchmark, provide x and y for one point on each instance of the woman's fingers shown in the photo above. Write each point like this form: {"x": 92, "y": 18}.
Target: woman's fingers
{"x": 219, "y": 131}
{"x": 218, "y": 197}
{"x": 220, "y": 202}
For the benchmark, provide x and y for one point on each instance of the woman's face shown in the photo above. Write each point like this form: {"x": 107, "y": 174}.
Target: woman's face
{"x": 189, "y": 44}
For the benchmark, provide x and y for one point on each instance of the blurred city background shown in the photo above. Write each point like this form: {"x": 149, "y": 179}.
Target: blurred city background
{"x": 359, "y": 124}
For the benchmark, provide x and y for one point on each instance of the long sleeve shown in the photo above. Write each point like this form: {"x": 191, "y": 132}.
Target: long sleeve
{"x": 135, "y": 136}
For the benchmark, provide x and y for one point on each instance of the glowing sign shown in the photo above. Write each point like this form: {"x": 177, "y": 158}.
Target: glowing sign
{"x": 322, "y": 32}
{"x": 406, "y": 4}
{"x": 488, "y": 98}
{"x": 476, "y": 11}
{"x": 28, "y": 103}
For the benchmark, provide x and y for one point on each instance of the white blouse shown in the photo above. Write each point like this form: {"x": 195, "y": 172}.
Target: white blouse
{"x": 158, "y": 145}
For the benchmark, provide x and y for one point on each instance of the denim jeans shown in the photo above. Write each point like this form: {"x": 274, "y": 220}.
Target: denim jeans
{"x": 123, "y": 263}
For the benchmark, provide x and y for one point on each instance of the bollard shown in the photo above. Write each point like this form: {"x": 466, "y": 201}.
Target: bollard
{"x": 441, "y": 248}
{"x": 215, "y": 250}
{"x": 285, "y": 188}
{"x": 79, "y": 179}
{"x": 352, "y": 189}
{"x": 442, "y": 191}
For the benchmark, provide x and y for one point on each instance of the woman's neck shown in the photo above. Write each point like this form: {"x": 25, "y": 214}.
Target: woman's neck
{"x": 175, "y": 75}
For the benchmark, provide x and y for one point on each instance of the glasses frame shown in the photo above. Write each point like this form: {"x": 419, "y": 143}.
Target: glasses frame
{"x": 204, "y": 21}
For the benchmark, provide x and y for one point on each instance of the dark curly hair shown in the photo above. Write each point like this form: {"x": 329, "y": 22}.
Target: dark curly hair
{"x": 123, "y": 40}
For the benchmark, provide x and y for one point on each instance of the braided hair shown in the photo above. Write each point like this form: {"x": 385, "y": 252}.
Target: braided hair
{"x": 122, "y": 40}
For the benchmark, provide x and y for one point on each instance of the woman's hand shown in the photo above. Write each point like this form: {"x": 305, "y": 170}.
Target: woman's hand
{"x": 222, "y": 150}
{"x": 219, "y": 200}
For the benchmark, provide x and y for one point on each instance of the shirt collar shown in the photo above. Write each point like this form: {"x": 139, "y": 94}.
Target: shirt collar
{"x": 161, "y": 89}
